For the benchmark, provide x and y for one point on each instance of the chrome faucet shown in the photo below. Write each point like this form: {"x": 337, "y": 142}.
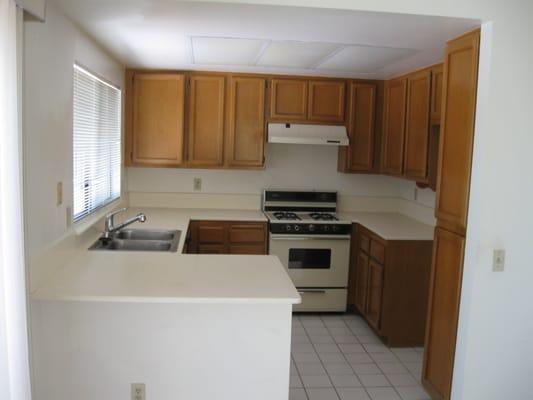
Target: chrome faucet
{"x": 110, "y": 227}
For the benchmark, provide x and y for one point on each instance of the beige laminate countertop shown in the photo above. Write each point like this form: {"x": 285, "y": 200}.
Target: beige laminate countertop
{"x": 171, "y": 277}
{"x": 391, "y": 226}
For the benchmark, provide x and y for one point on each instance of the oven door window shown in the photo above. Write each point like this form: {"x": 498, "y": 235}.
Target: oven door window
{"x": 309, "y": 258}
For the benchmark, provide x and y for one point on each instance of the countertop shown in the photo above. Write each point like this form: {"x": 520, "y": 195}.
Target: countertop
{"x": 171, "y": 277}
{"x": 391, "y": 226}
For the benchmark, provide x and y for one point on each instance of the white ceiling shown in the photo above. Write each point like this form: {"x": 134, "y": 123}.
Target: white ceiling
{"x": 169, "y": 34}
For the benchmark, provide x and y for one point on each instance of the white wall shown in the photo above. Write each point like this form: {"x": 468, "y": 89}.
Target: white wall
{"x": 51, "y": 48}
{"x": 496, "y": 322}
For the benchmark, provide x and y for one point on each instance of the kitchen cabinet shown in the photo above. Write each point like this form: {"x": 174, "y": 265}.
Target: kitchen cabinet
{"x": 227, "y": 237}
{"x": 389, "y": 282}
{"x": 326, "y": 101}
{"x": 246, "y": 135}
{"x": 206, "y": 122}
{"x": 453, "y": 184}
{"x": 359, "y": 156}
{"x": 457, "y": 132}
{"x": 155, "y": 119}
{"x": 437, "y": 77}
{"x": 394, "y": 127}
{"x": 288, "y": 100}
{"x": 415, "y": 163}
{"x": 443, "y": 312}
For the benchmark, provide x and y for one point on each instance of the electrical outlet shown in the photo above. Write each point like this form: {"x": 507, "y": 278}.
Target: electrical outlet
{"x": 59, "y": 193}
{"x": 498, "y": 260}
{"x": 138, "y": 391}
{"x": 197, "y": 185}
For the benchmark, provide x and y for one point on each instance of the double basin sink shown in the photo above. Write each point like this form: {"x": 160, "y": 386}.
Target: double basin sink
{"x": 140, "y": 240}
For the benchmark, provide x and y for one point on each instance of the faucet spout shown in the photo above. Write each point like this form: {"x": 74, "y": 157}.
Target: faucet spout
{"x": 110, "y": 226}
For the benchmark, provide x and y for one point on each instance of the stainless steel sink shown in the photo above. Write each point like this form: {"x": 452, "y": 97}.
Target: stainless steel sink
{"x": 140, "y": 240}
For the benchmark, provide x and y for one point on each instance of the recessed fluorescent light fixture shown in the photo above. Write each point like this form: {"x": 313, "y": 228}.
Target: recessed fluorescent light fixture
{"x": 225, "y": 51}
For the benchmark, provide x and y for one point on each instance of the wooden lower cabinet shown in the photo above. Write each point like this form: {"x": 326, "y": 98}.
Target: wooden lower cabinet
{"x": 227, "y": 237}
{"x": 443, "y": 313}
{"x": 389, "y": 282}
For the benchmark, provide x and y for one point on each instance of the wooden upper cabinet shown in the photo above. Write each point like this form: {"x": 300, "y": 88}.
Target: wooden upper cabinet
{"x": 417, "y": 126}
{"x": 443, "y": 312}
{"x": 394, "y": 127}
{"x": 437, "y": 76}
{"x": 288, "y": 100}
{"x": 326, "y": 101}
{"x": 246, "y": 136}
{"x": 155, "y": 109}
{"x": 457, "y": 131}
{"x": 206, "y": 120}
{"x": 361, "y": 127}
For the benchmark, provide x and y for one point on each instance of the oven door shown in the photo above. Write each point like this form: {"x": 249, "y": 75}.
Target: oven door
{"x": 314, "y": 261}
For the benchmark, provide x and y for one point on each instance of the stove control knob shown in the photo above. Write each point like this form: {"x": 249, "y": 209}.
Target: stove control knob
{"x": 326, "y": 228}
{"x": 288, "y": 228}
{"x": 311, "y": 228}
{"x": 296, "y": 228}
{"x": 335, "y": 228}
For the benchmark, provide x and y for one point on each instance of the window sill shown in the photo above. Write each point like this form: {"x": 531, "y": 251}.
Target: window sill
{"x": 88, "y": 222}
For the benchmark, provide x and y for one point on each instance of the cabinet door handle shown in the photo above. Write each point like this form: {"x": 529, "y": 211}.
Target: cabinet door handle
{"x": 318, "y": 291}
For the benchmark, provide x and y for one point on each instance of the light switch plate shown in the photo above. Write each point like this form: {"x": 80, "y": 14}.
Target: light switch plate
{"x": 138, "y": 391}
{"x": 197, "y": 184}
{"x": 498, "y": 260}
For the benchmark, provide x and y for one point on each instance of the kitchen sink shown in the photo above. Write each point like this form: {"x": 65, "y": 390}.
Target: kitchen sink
{"x": 140, "y": 240}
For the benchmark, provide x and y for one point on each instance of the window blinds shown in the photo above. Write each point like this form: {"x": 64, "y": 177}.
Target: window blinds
{"x": 96, "y": 143}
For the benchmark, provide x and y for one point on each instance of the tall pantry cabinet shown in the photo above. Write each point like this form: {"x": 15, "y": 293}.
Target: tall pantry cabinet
{"x": 453, "y": 183}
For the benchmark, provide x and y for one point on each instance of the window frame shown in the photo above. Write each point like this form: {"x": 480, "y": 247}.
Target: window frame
{"x": 85, "y": 221}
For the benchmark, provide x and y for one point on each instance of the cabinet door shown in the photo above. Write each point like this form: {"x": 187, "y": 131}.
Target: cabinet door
{"x": 443, "y": 311}
{"x": 288, "y": 100}
{"x": 206, "y": 120}
{"x": 375, "y": 294}
{"x": 157, "y": 119}
{"x": 246, "y": 134}
{"x": 361, "y": 127}
{"x": 212, "y": 249}
{"x": 361, "y": 282}
{"x": 394, "y": 127}
{"x": 457, "y": 132}
{"x": 417, "y": 126}
{"x": 326, "y": 101}
{"x": 256, "y": 249}
{"x": 211, "y": 232}
{"x": 437, "y": 76}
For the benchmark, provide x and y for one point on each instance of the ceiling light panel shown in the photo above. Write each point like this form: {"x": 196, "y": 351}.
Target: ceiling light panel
{"x": 226, "y": 51}
{"x": 364, "y": 59}
{"x": 296, "y": 54}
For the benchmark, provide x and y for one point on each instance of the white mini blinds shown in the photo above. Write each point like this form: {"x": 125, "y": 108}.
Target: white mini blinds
{"x": 96, "y": 143}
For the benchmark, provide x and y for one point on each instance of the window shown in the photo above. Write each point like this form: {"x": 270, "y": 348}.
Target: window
{"x": 96, "y": 143}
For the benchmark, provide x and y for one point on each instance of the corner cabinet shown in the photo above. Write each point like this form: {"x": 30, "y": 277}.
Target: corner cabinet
{"x": 206, "y": 122}
{"x": 394, "y": 127}
{"x": 389, "y": 282}
{"x": 155, "y": 119}
{"x": 246, "y": 135}
{"x": 359, "y": 156}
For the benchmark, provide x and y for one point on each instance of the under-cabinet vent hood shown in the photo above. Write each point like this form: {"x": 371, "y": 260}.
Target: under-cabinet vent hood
{"x": 332, "y": 135}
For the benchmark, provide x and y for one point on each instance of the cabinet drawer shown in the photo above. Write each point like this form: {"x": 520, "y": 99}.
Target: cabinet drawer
{"x": 247, "y": 249}
{"x": 211, "y": 232}
{"x": 247, "y": 233}
{"x": 211, "y": 249}
{"x": 364, "y": 243}
{"x": 377, "y": 251}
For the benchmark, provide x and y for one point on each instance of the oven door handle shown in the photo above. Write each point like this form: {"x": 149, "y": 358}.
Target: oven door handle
{"x": 318, "y": 291}
{"x": 314, "y": 237}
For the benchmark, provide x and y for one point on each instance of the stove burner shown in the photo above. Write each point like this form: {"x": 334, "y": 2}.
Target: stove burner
{"x": 323, "y": 217}
{"x": 286, "y": 215}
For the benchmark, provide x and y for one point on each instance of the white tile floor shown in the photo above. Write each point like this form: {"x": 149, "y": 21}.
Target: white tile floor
{"x": 338, "y": 357}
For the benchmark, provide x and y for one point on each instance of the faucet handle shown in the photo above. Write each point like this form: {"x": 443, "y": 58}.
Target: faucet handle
{"x": 112, "y": 214}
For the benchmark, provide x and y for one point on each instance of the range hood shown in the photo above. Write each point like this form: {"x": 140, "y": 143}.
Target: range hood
{"x": 331, "y": 135}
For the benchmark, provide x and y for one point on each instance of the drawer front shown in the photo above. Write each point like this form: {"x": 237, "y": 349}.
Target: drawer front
{"x": 211, "y": 232}
{"x": 211, "y": 249}
{"x": 377, "y": 251}
{"x": 322, "y": 300}
{"x": 247, "y": 233}
{"x": 247, "y": 249}
{"x": 364, "y": 243}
